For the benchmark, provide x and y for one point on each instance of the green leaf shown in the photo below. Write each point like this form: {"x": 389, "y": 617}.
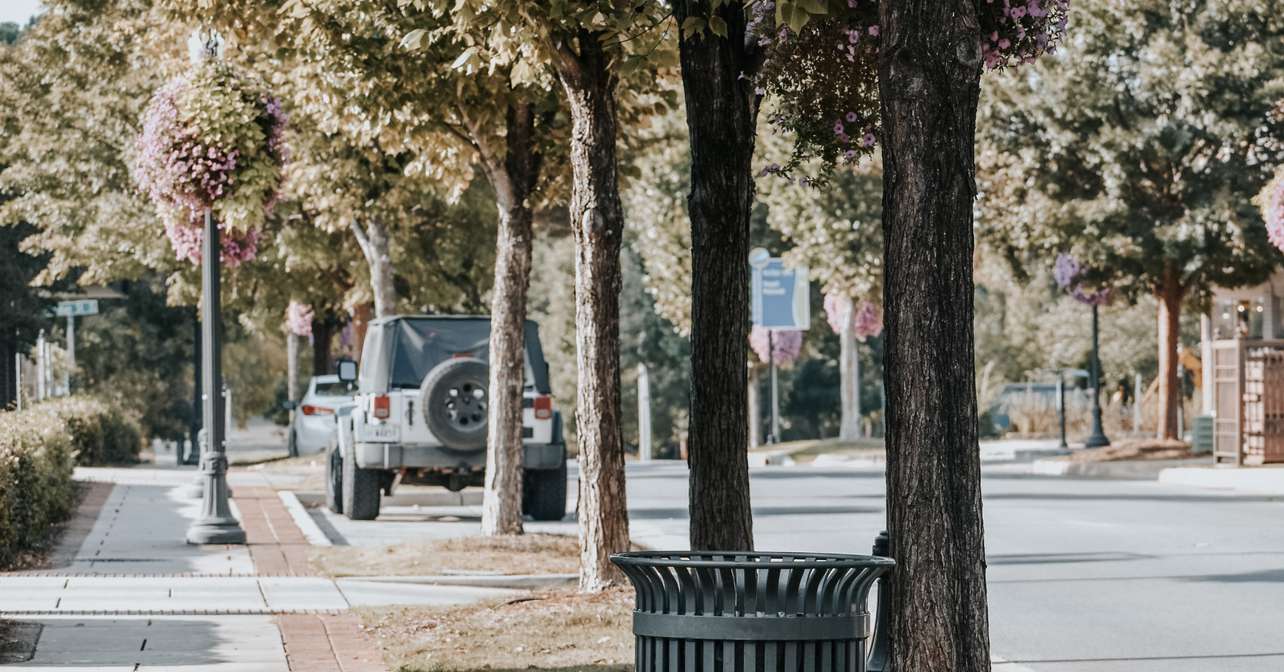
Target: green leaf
{"x": 798, "y": 18}
{"x": 718, "y": 26}
{"x": 813, "y": 6}
{"x": 464, "y": 58}
{"x": 693, "y": 26}
{"x": 414, "y": 39}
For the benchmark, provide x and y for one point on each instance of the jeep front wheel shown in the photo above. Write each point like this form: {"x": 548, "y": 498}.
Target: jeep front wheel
{"x": 360, "y": 491}
{"x": 334, "y": 478}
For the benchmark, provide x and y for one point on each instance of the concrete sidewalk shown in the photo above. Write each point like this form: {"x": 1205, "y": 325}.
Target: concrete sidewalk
{"x": 131, "y": 594}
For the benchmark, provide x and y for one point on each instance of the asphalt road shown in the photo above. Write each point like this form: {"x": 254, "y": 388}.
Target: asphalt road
{"x": 1092, "y": 575}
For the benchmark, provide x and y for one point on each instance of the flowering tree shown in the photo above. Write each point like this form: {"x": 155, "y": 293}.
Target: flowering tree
{"x": 781, "y": 346}
{"x": 1272, "y": 201}
{"x": 212, "y": 141}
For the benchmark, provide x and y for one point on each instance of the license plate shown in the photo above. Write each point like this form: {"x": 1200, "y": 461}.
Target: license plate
{"x": 380, "y": 433}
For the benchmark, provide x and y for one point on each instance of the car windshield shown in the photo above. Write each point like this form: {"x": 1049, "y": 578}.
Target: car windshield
{"x": 334, "y": 389}
{"x": 423, "y": 344}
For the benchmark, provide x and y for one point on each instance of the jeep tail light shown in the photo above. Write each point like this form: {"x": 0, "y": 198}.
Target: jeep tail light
{"x": 309, "y": 409}
{"x": 382, "y": 409}
{"x": 543, "y": 407}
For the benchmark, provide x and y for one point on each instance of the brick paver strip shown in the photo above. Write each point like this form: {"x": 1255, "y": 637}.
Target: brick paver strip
{"x": 313, "y": 642}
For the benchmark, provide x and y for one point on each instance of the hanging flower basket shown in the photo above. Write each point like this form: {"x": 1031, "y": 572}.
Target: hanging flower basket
{"x": 212, "y": 138}
{"x": 821, "y": 77}
{"x": 1067, "y": 272}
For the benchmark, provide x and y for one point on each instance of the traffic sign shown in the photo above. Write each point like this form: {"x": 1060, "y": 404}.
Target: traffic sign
{"x": 781, "y": 296}
{"x": 77, "y": 308}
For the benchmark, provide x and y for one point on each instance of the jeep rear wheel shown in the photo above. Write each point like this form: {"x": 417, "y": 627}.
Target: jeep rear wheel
{"x": 360, "y": 491}
{"x": 544, "y": 493}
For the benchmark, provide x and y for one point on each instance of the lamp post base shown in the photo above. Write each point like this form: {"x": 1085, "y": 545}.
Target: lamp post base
{"x": 1096, "y": 440}
{"x": 216, "y": 531}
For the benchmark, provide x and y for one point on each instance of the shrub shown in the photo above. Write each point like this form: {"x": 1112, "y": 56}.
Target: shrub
{"x": 39, "y": 448}
{"x": 100, "y": 433}
{"x": 36, "y": 490}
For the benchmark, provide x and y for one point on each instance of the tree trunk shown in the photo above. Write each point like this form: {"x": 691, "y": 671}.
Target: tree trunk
{"x": 754, "y": 410}
{"x": 849, "y": 381}
{"x": 291, "y": 366}
{"x": 322, "y": 338}
{"x": 1169, "y": 294}
{"x": 374, "y": 243}
{"x": 361, "y": 316}
{"x": 597, "y": 219}
{"x": 722, "y": 112}
{"x": 513, "y": 180}
{"x": 929, "y": 82}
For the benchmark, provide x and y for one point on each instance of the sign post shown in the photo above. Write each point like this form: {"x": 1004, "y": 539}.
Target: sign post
{"x": 780, "y": 301}
{"x": 71, "y": 310}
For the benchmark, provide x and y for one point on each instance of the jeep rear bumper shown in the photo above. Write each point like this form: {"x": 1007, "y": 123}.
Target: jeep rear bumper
{"x": 396, "y": 456}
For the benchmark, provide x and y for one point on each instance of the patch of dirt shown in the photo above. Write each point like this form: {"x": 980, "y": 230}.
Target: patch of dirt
{"x": 520, "y": 554}
{"x": 555, "y": 630}
{"x": 1135, "y": 450}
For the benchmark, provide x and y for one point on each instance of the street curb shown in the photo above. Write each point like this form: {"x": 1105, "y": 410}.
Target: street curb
{"x": 311, "y": 531}
{"x": 1120, "y": 470}
{"x": 466, "y": 498}
{"x": 1256, "y": 480}
{"x": 513, "y": 581}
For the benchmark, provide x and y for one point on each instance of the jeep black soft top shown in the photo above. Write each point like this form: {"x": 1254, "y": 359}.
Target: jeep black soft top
{"x": 400, "y": 350}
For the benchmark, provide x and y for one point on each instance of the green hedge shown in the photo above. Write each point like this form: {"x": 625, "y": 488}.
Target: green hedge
{"x": 100, "y": 433}
{"x": 39, "y": 448}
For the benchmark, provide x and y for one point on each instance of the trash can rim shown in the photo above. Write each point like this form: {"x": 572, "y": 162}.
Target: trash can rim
{"x": 751, "y": 559}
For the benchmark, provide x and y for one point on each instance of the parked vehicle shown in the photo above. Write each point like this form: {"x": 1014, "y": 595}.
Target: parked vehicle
{"x": 313, "y": 424}
{"x": 420, "y": 417}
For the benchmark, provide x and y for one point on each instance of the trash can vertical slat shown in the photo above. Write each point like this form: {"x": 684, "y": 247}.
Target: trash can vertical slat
{"x": 745, "y": 612}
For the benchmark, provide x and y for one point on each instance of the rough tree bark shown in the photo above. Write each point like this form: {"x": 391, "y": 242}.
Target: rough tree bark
{"x": 1169, "y": 294}
{"x": 754, "y": 410}
{"x": 722, "y": 112}
{"x": 373, "y": 240}
{"x": 514, "y": 179}
{"x": 929, "y": 83}
{"x": 597, "y": 220}
{"x": 849, "y": 379}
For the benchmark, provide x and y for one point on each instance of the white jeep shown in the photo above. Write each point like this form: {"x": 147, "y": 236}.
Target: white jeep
{"x": 420, "y": 413}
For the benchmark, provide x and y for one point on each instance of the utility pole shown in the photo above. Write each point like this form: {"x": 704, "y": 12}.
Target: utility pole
{"x": 71, "y": 352}
{"x": 775, "y": 396}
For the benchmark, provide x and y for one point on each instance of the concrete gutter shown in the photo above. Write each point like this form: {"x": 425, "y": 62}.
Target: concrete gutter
{"x": 311, "y": 531}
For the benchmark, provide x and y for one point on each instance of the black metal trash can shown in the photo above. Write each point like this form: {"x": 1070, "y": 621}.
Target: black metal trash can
{"x": 751, "y": 612}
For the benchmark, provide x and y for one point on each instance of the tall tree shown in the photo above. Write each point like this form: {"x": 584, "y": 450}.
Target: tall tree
{"x": 719, "y": 58}
{"x": 929, "y": 84}
{"x": 1139, "y": 151}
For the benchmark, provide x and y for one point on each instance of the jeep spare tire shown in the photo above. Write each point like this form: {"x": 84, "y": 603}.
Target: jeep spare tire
{"x": 455, "y": 399}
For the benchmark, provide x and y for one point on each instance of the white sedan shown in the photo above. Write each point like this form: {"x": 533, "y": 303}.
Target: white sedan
{"x": 313, "y": 422}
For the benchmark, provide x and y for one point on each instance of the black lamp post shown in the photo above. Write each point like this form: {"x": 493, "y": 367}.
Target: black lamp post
{"x": 216, "y": 525}
{"x": 1097, "y": 438}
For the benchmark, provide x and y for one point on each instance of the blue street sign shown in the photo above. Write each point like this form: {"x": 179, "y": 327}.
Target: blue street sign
{"x": 781, "y": 297}
{"x": 77, "y": 308}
